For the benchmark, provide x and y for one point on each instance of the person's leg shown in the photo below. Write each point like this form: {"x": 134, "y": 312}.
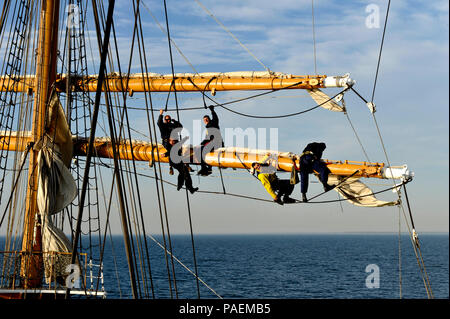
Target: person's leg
{"x": 286, "y": 189}
{"x": 323, "y": 172}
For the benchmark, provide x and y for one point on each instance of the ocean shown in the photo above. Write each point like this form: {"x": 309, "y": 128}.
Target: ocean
{"x": 313, "y": 266}
{"x": 304, "y": 266}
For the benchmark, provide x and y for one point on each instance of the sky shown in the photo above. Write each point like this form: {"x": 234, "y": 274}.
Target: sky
{"x": 411, "y": 97}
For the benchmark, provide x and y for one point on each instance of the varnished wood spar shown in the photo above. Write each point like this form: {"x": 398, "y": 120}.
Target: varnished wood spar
{"x": 182, "y": 83}
{"x": 45, "y": 75}
{"x": 228, "y": 157}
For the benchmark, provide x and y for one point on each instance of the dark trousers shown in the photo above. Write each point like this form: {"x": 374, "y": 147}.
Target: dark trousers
{"x": 284, "y": 187}
{"x": 308, "y": 164}
{"x": 184, "y": 178}
{"x": 204, "y": 166}
{"x": 166, "y": 144}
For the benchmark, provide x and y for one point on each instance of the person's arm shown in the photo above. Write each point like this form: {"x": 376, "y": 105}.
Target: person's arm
{"x": 160, "y": 118}
{"x": 176, "y": 123}
{"x": 215, "y": 118}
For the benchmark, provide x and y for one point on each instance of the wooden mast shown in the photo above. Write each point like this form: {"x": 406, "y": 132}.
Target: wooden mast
{"x": 46, "y": 61}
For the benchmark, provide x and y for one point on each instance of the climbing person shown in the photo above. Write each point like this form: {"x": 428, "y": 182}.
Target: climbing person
{"x": 213, "y": 140}
{"x": 166, "y": 128}
{"x": 277, "y": 188}
{"x": 310, "y": 162}
{"x": 176, "y": 161}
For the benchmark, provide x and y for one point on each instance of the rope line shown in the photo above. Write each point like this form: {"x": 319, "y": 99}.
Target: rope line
{"x": 185, "y": 267}
{"x": 178, "y": 117}
{"x": 232, "y": 35}
{"x": 413, "y": 236}
{"x": 270, "y": 201}
{"x": 264, "y": 93}
{"x": 314, "y": 36}
{"x": 381, "y": 50}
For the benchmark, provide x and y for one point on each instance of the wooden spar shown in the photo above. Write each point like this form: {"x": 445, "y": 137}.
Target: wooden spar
{"x": 228, "y": 157}
{"x": 45, "y": 76}
{"x": 182, "y": 83}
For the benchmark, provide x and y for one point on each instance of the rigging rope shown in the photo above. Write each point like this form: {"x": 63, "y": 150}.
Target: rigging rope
{"x": 265, "y": 93}
{"x": 171, "y": 39}
{"x": 232, "y": 35}
{"x": 413, "y": 236}
{"x": 314, "y": 36}
{"x": 160, "y": 196}
{"x": 187, "y": 268}
{"x": 270, "y": 201}
{"x": 178, "y": 118}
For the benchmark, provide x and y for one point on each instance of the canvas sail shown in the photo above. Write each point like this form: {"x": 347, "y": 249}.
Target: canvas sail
{"x": 357, "y": 192}
{"x": 325, "y": 101}
{"x": 56, "y": 190}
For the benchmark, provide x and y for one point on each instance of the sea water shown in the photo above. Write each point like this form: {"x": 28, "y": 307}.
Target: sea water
{"x": 313, "y": 266}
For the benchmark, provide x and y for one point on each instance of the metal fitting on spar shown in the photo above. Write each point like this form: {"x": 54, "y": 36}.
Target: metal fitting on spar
{"x": 338, "y": 81}
{"x": 397, "y": 172}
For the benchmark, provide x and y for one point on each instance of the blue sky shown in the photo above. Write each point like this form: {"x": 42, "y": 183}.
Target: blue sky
{"x": 411, "y": 97}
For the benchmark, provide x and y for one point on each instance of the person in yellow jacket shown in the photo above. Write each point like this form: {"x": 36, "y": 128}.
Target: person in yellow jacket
{"x": 277, "y": 188}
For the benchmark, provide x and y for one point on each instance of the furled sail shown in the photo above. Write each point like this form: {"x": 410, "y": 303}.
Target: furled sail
{"x": 357, "y": 192}
{"x": 56, "y": 189}
{"x": 325, "y": 101}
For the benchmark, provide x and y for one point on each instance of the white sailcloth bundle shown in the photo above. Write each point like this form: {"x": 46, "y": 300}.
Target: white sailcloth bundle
{"x": 325, "y": 101}
{"x": 356, "y": 192}
{"x": 56, "y": 190}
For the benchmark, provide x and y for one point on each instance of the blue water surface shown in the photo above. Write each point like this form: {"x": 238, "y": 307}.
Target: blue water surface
{"x": 286, "y": 267}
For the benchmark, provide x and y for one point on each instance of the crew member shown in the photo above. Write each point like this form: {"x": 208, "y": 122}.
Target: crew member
{"x": 277, "y": 188}
{"x": 166, "y": 128}
{"x": 212, "y": 140}
{"x": 176, "y": 161}
{"x": 310, "y": 162}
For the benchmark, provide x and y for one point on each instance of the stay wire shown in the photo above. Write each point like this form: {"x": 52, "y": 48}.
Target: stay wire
{"x": 178, "y": 117}
{"x": 270, "y": 201}
{"x": 417, "y": 244}
{"x": 160, "y": 194}
{"x": 381, "y": 50}
{"x": 127, "y": 124}
{"x": 171, "y": 57}
{"x": 232, "y": 35}
{"x": 414, "y": 238}
{"x": 265, "y": 93}
{"x": 314, "y": 36}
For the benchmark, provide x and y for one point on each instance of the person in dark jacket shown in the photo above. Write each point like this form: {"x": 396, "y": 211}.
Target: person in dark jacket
{"x": 310, "y": 162}
{"x": 166, "y": 128}
{"x": 175, "y": 160}
{"x": 212, "y": 140}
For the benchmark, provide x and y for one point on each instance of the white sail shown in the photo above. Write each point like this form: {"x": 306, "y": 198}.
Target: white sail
{"x": 357, "y": 192}
{"x": 325, "y": 101}
{"x": 56, "y": 190}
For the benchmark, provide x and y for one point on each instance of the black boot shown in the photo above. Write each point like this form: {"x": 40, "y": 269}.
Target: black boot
{"x": 278, "y": 201}
{"x": 193, "y": 190}
{"x": 327, "y": 187}
{"x": 304, "y": 199}
{"x": 288, "y": 200}
{"x": 205, "y": 170}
